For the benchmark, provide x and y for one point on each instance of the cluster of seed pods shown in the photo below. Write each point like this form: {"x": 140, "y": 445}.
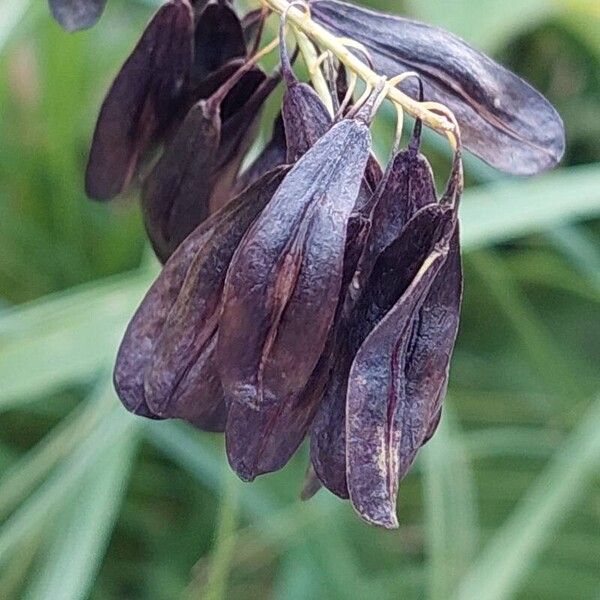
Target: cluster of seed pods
{"x": 312, "y": 294}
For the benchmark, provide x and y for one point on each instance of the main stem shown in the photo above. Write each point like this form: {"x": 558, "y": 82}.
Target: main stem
{"x": 328, "y": 41}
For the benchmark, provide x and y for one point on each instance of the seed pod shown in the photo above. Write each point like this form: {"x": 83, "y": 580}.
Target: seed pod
{"x": 146, "y": 326}
{"x": 282, "y": 287}
{"x": 218, "y": 39}
{"x": 305, "y": 117}
{"x": 406, "y": 187}
{"x": 141, "y": 100}
{"x": 76, "y": 14}
{"x": 427, "y": 363}
{"x": 173, "y": 384}
{"x": 201, "y": 161}
{"x": 382, "y": 419}
{"x": 391, "y": 276}
{"x": 502, "y": 118}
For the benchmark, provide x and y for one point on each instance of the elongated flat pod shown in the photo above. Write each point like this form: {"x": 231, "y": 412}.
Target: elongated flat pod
{"x": 380, "y": 415}
{"x": 502, "y": 118}
{"x": 177, "y": 187}
{"x": 218, "y": 39}
{"x": 141, "y": 100}
{"x": 305, "y": 119}
{"x": 188, "y": 333}
{"x": 406, "y": 187}
{"x": 177, "y": 192}
{"x": 282, "y": 287}
{"x": 237, "y": 136}
{"x": 428, "y": 358}
{"x": 139, "y": 341}
{"x": 77, "y": 14}
{"x": 389, "y": 279}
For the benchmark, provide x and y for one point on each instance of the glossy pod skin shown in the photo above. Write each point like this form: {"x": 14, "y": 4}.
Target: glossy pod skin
{"x": 201, "y": 161}
{"x": 282, "y": 287}
{"x": 153, "y": 322}
{"x": 141, "y": 100}
{"x": 503, "y": 119}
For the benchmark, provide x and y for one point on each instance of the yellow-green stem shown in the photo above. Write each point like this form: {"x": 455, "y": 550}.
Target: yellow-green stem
{"x": 326, "y": 40}
{"x": 316, "y": 75}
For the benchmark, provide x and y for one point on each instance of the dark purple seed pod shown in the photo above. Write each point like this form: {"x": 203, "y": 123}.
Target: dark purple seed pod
{"x": 282, "y": 287}
{"x": 406, "y": 186}
{"x": 382, "y": 420}
{"x": 305, "y": 117}
{"x": 176, "y": 376}
{"x": 196, "y": 174}
{"x": 141, "y": 100}
{"x": 218, "y": 39}
{"x": 141, "y": 338}
{"x": 391, "y": 275}
{"x": 503, "y": 119}
{"x": 76, "y": 14}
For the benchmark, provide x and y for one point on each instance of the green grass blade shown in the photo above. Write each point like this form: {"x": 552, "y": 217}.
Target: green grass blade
{"x": 500, "y": 211}
{"x": 216, "y": 586}
{"x": 65, "y": 338}
{"x": 450, "y": 508}
{"x": 510, "y": 555}
{"x": 33, "y": 513}
{"x": 83, "y": 530}
{"x": 60, "y": 442}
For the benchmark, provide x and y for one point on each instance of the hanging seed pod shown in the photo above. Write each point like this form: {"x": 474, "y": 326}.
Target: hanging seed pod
{"x": 282, "y": 287}
{"x": 176, "y": 378}
{"x": 406, "y": 187}
{"x": 305, "y": 117}
{"x": 390, "y": 277}
{"x": 140, "y": 341}
{"x": 435, "y": 331}
{"x": 141, "y": 100}
{"x": 426, "y": 343}
{"x": 76, "y": 14}
{"x": 218, "y": 39}
{"x": 381, "y": 418}
{"x": 202, "y": 160}
{"x": 503, "y": 119}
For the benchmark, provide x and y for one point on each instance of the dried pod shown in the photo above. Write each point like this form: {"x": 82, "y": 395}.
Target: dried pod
{"x": 76, "y": 14}
{"x": 282, "y": 287}
{"x": 423, "y": 338}
{"x": 305, "y": 117}
{"x": 176, "y": 195}
{"x": 406, "y": 187}
{"x": 502, "y": 118}
{"x": 390, "y": 277}
{"x": 144, "y": 330}
{"x": 428, "y": 361}
{"x": 382, "y": 419}
{"x": 141, "y": 100}
{"x": 176, "y": 376}
{"x": 218, "y": 39}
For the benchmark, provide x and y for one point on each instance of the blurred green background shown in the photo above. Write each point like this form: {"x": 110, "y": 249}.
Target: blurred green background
{"x": 94, "y": 503}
